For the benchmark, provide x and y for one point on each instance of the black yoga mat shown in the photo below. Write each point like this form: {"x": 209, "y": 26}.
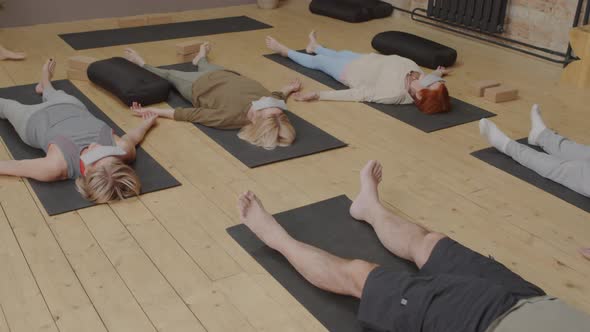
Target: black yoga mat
{"x": 60, "y": 197}
{"x": 461, "y": 112}
{"x": 310, "y": 139}
{"x": 329, "y": 226}
{"x": 124, "y": 36}
{"x": 501, "y": 161}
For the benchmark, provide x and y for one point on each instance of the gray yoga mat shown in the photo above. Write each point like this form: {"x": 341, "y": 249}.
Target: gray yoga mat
{"x": 329, "y": 226}
{"x": 505, "y": 163}
{"x": 60, "y": 197}
{"x": 461, "y": 112}
{"x": 310, "y": 139}
{"x": 125, "y": 36}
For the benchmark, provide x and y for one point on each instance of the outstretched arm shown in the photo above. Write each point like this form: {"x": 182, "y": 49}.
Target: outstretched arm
{"x": 442, "y": 71}
{"x": 160, "y": 112}
{"x": 136, "y": 135}
{"x": 336, "y": 95}
{"x": 40, "y": 169}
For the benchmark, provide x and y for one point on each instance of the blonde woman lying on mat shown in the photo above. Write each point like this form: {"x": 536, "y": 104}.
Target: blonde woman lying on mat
{"x": 565, "y": 162}
{"x": 226, "y": 100}
{"x": 77, "y": 145}
{"x": 384, "y": 79}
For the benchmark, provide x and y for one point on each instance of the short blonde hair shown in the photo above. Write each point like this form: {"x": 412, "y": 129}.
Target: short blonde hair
{"x": 269, "y": 132}
{"x": 108, "y": 182}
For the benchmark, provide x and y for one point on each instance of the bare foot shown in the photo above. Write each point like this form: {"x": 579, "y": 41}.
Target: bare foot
{"x": 46, "y": 75}
{"x": 203, "y": 52}
{"x": 132, "y": 55}
{"x": 585, "y": 252}
{"x": 260, "y": 222}
{"x": 313, "y": 42}
{"x": 10, "y": 55}
{"x": 367, "y": 200}
{"x": 275, "y": 46}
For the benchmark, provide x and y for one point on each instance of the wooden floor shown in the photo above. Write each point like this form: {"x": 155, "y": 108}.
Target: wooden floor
{"x": 163, "y": 261}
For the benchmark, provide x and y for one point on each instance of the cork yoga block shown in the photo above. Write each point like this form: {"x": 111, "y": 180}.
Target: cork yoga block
{"x": 501, "y": 94}
{"x": 185, "y": 57}
{"x": 478, "y": 88}
{"x": 188, "y": 47}
{"x": 131, "y": 22}
{"x": 78, "y": 75}
{"x": 268, "y": 4}
{"x": 160, "y": 19}
{"x": 80, "y": 62}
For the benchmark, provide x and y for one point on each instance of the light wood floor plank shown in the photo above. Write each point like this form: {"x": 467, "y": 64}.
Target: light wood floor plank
{"x": 21, "y": 303}
{"x": 152, "y": 290}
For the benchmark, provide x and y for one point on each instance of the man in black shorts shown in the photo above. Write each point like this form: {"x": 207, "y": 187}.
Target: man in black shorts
{"x": 455, "y": 290}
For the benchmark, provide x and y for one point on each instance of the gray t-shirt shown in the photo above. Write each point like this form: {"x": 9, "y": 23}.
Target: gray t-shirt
{"x": 541, "y": 314}
{"x": 71, "y": 127}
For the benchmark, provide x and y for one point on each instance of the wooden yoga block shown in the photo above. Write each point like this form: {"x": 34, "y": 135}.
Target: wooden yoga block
{"x": 130, "y": 22}
{"x": 188, "y": 47}
{"x": 77, "y": 75}
{"x": 577, "y": 73}
{"x": 501, "y": 94}
{"x": 160, "y": 19}
{"x": 185, "y": 57}
{"x": 268, "y": 4}
{"x": 80, "y": 62}
{"x": 478, "y": 88}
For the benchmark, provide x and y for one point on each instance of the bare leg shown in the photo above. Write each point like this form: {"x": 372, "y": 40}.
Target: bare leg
{"x": 277, "y": 47}
{"x": 10, "y": 55}
{"x": 46, "y": 76}
{"x": 203, "y": 53}
{"x": 313, "y": 42}
{"x": 132, "y": 55}
{"x": 401, "y": 237}
{"x": 325, "y": 271}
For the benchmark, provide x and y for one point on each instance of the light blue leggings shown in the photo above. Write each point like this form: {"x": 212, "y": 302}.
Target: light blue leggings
{"x": 329, "y": 61}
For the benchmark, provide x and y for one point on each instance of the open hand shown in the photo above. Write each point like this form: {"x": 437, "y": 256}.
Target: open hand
{"x": 138, "y": 110}
{"x": 306, "y": 96}
{"x": 149, "y": 117}
{"x": 444, "y": 70}
{"x": 294, "y": 85}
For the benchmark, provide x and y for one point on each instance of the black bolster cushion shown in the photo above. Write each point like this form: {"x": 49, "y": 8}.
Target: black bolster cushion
{"x": 340, "y": 10}
{"x": 424, "y": 52}
{"x": 353, "y": 11}
{"x": 129, "y": 82}
{"x": 381, "y": 9}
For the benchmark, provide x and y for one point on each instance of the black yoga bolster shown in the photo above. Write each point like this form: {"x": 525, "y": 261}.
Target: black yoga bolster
{"x": 129, "y": 82}
{"x": 424, "y": 52}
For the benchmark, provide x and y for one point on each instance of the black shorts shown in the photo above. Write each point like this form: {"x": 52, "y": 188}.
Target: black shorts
{"x": 456, "y": 290}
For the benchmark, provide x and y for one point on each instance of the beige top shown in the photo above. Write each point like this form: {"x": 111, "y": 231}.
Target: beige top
{"x": 541, "y": 314}
{"x": 376, "y": 78}
{"x": 222, "y": 98}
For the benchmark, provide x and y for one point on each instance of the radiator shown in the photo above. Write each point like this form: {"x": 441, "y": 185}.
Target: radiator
{"x": 484, "y": 15}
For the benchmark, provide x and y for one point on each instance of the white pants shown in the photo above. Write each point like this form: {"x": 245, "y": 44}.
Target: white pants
{"x": 566, "y": 162}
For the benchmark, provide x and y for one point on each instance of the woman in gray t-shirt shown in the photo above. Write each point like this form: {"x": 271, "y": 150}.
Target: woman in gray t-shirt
{"x": 77, "y": 144}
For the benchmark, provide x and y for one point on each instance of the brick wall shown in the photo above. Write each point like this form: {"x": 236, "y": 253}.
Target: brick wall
{"x": 543, "y": 23}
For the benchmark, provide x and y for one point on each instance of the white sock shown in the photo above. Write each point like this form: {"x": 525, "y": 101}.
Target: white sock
{"x": 537, "y": 125}
{"x": 495, "y": 136}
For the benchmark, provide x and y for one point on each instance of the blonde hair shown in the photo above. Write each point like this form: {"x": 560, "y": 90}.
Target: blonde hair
{"x": 108, "y": 182}
{"x": 269, "y": 132}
